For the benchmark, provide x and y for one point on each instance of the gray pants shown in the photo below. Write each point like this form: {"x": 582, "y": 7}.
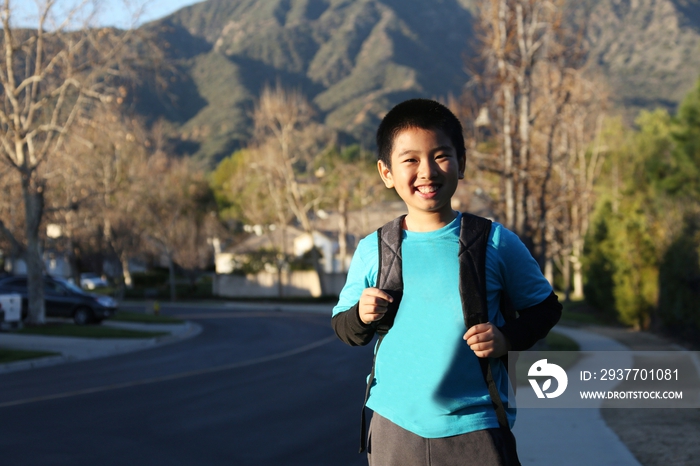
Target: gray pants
{"x": 390, "y": 445}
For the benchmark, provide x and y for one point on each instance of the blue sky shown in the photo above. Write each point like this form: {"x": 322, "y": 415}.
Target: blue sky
{"x": 118, "y": 13}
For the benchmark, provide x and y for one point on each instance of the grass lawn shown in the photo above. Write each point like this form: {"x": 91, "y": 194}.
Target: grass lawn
{"x": 558, "y": 342}
{"x": 126, "y": 316}
{"x": 580, "y": 312}
{"x": 12, "y": 355}
{"x": 567, "y": 354}
{"x": 87, "y": 331}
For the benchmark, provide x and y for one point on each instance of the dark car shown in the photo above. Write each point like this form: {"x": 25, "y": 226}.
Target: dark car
{"x": 63, "y": 299}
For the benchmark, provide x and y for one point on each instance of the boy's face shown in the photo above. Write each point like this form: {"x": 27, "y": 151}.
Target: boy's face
{"x": 424, "y": 171}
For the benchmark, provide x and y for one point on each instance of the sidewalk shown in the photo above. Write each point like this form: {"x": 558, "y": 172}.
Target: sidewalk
{"x": 78, "y": 349}
{"x": 574, "y": 437}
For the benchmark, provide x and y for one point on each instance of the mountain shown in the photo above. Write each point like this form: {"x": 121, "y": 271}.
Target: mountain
{"x": 354, "y": 59}
{"x": 649, "y": 50}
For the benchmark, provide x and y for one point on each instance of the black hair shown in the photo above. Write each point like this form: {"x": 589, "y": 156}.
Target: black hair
{"x": 418, "y": 113}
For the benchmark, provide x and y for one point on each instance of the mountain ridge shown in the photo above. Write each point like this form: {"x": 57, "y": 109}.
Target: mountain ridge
{"x": 355, "y": 59}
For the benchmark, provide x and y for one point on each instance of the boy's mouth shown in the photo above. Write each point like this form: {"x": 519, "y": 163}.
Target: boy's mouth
{"x": 427, "y": 190}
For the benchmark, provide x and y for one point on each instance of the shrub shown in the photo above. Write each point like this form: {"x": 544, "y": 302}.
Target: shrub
{"x": 679, "y": 283}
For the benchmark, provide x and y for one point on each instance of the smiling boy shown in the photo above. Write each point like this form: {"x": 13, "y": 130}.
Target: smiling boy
{"x": 429, "y": 396}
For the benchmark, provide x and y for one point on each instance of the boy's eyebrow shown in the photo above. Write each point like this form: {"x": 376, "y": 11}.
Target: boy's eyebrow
{"x": 436, "y": 149}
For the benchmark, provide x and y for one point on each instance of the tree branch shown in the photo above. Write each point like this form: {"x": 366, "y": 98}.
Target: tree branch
{"x": 10, "y": 237}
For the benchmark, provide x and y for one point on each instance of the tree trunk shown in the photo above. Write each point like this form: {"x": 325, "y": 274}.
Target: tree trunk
{"x": 566, "y": 276}
{"x": 521, "y": 190}
{"x": 316, "y": 258}
{"x": 126, "y": 272}
{"x": 522, "y": 195}
{"x": 578, "y": 269}
{"x": 549, "y": 270}
{"x": 508, "y": 110}
{"x": 171, "y": 270}
{"x": 281, "y": 257}
{"x": 508, "y": 167}
{"x": 72, "y": 259}
{"x": 34, "y": 209}
{"x": 343, "y": 233}
{"x": 280, "y": 285}
{"x": 545, "y": 236}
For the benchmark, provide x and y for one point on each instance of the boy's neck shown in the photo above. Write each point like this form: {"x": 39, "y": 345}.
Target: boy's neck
{"x": 428, "y": 221}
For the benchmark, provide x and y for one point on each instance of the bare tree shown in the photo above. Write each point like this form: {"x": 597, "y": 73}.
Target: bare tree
{"x": 582, "y": 161}
{"x": 240, "y": 180}
{"x": 52, "y": 77}
{"x": 101, "y": 181}
{"x": 542, "y": 119}
{"x": 287, "y": 142}
{"x": 173, "y": 207}
{"x": 517, "y": 37}
{"x": 12, "y": 233}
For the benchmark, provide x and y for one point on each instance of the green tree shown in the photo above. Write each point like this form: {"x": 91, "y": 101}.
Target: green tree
{"x": 679, "y": 270}
{"x": 684, "y": 179}
{"x": 237, "y": 187}
{"x": 600, "y": 258}
{"x": 644, "y": 240}
{"x": 349, "y": 181}
{"x": 636, "y": 272}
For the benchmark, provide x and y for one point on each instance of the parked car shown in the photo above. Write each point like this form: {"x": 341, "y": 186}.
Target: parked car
{"x": 90, "y": 281}
{"x": 63, "y": 299}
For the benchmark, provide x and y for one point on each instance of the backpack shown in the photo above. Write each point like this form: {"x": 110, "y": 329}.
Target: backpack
{"x": 473, "y": 238}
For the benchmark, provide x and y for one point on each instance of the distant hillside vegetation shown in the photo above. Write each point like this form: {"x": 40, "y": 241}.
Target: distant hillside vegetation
{"x": 354, "y": 59}
{"x": 649, "y": 50}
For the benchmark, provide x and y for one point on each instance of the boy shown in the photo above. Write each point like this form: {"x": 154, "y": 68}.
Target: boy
{"x": 430, "y": 401}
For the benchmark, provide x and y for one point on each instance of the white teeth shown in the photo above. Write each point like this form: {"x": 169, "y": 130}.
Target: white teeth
{"x": 427, "y": 189}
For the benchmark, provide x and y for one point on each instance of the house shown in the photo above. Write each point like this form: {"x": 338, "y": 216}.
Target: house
{"x": 256, "y": 255}
{"x": 55, "y": 264}
{"x": 290, "y": 240}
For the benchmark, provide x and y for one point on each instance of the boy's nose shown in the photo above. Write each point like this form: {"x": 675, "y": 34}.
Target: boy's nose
{"x": 427, "y": 170}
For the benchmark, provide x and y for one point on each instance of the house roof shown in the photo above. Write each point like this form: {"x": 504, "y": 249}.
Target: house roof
{"x": 268, "y": 240}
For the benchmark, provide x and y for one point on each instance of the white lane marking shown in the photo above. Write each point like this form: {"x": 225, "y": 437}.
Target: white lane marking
{"x": 183, "y": 375}
{"x": 231, "y": 315}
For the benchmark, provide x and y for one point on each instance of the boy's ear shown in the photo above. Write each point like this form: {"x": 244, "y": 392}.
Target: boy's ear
{"x": 462, "y": 167}
{"x": 385, "y": 173}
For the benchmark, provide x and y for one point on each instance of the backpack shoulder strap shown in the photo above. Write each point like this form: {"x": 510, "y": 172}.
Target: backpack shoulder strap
{"x": 389, "y": 237}
{"x": 390, "y": 280}
{"x": 473, "y": 236}
{"x": 390, "y": 268}
{"x": 473, "y": 239}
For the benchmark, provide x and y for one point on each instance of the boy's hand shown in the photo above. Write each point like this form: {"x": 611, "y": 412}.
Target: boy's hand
{"x": 487, "y": 341}
{"x": 373, "y": 304}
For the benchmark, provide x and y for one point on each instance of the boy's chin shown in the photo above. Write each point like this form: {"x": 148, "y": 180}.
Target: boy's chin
{"x": 442, "y": 210}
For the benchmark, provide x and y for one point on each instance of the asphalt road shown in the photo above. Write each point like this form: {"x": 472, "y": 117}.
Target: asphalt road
{"x": 254, "y": 388}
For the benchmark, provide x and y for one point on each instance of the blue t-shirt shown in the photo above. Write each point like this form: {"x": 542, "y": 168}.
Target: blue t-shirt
{"x": 427, "y": 379}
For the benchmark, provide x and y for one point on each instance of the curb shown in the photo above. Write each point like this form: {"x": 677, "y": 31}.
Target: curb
{"x": 75, "y": 349}
{"x": 236, "y": 305}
